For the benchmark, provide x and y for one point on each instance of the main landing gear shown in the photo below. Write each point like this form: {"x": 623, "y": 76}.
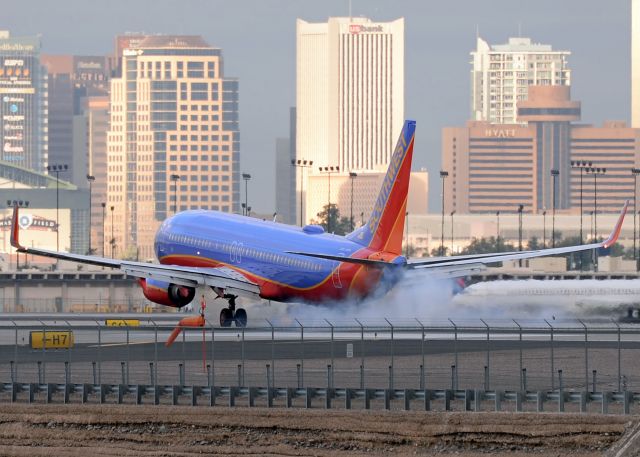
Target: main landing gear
{"x": 231, "y": 314}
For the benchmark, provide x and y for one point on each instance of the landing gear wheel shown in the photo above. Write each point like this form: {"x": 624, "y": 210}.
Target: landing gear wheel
{"x": 241, "y": 317}
{"x": 226, "y": 317}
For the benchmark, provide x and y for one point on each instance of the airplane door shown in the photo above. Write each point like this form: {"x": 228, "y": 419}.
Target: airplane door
{"x": 335, "y": 277}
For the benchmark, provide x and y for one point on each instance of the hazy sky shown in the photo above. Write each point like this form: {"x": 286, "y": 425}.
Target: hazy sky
{"x": 258, "y": 42}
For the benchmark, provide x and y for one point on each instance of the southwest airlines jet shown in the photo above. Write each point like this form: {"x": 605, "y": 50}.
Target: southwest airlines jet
{"x": 237, "y": 255}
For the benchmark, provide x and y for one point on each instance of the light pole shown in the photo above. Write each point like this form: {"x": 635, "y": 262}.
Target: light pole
{"x": 582, "y": 165}
{"x": 90, "y": 179}
{"x": 635, "y": 172}
{"x": 554, "y": 175}
{"x": 113, "y": 240}
{"x": 175, "y": 179}
{"x": 57, "y": 169}
{"x": 104, "y": 206}
{"x": 595, "y": 171}
{"x": 520, "y": 208}
{"x": 406, "y": 221}
{"x": 452, "y": 213}
{"x": 329, "y": 171}
{"x": 21, "y": 204}
{"x": 498, "y": 231}
{"x": 544, "y": 228}
{"x": 302, "y": 164}
{"x": 246, "y": 177}
{"x": 353, "y": 177}
{"x": 443, "y": 176}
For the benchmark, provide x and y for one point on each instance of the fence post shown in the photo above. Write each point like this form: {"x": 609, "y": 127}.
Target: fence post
{"x": 619, "y": 354}
{"x": 44, "y": 353}
{"x": 486, "y": 378}
{"x": 243, "y": 361}
{"x": 268, "y": 377}
{"x": 95, "y": 377}
{"x": 128, "y": 354}
{"x": 593, "y": 389}
{"x": 560, "y": 392}
{"x": 155, "y": 355}
{"x": 151, "y": 381}
{"x": 15, "y": 354}
{"x": 390, "y": 377}
{"x": 301, "y": 364}
{"x": 273, "y": 352}
{"x": 122, "y": 373}
{"x": 552, "y": 364}
{"x": 453, "y": 377}
{"x": 488, "y": 352}
{"x": 239, "y": 384}
{"x": 99, "y": 352}
{"x": 524, "y": 379}
{"x": 455, "y": 348}
{"x": 13, "y": 379}
{"x": 332, "y": 353}
{"x": 66, "y": 372}
{"x": 40, "y": 377}
{"x": 391, "y": 347}
{"x": 586, "y": 356}
{"x": 422, "y": 380}
{"x": 361, "y": 353}
{"x": 520, "y": 350}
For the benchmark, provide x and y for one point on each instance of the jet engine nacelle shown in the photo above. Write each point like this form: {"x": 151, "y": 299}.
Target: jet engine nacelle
{"x": 167, "y": 294}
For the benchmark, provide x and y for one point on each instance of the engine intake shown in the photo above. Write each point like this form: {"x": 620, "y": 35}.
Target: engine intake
{"x": 167, "y": 294}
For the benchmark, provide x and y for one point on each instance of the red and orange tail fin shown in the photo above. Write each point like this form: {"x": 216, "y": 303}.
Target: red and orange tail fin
{"x": 15, "y": 229}
{"x": 383, "y": 231}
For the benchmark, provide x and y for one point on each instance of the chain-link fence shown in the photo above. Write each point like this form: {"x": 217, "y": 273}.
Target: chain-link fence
{"x": 517, "y": 356}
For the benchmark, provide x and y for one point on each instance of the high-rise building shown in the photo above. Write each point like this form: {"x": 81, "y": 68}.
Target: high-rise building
{"x": 349, "y": 95}
{"x": 70, "y": 80}
{"x": 635, "y": 63}
{"x": 23, "y": 103}
{"x": 286, "y": 174}
{"x": 501, "y": 76}
{"x": 499, "y": 167}
{"x": 173, "y": 141}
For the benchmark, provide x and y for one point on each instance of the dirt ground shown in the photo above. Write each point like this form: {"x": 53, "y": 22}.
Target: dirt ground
{"x": 99, "y": 430}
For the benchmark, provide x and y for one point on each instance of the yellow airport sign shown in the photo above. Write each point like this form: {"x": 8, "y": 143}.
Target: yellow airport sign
{"x": 51, "y": 340}
{"x": 122, "y": 323}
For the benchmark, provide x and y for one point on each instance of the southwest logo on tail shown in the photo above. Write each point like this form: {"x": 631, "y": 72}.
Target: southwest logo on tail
{"x": 383, "y": 231}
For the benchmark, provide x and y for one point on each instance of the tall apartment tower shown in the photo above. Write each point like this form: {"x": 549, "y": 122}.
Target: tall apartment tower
{"x": 174, "y": 141}
{"x": 501, "y": 76}
{"x": 349, "y": 95}
{"x": 23, "y": 102}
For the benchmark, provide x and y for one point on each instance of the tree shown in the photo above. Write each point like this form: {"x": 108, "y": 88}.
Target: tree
{"x": 339, "y": 225}
{"x": 486, "y": 246}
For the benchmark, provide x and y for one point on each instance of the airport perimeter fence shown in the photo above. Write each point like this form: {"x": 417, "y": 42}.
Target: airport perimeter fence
{"x": 395, "y": 355}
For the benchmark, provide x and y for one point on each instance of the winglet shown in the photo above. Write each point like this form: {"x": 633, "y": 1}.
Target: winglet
{"x": 616, "y": 230}
{"x": 15, "y": 229}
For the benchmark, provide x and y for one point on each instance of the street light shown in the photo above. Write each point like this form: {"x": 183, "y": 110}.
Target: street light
{"x": 57, "y": 169}
{"x": 353, "y": 177}
{"x": 443, "y": 175}
{"x": 329, "y": 171}
{"x": 554, "y": 175}
{"x": 104, "y": 205}
{"x": 406, "y": 221}
{"x": 90, "y": 179}
{"x": 113, "y": 240}
{"x": 520, "y": 208}
{"x": 302, "y": 164}
{"x": 595, "y": 171}
{"x": 582, "y": 165}
{"x": 452, "y": 213}
{"x": 635, "y": 172}
{"x": 175, "y": 179}
{"x": 246, "y": 177}
{"x": 544, "y": 228}
{"x": 498, "y": 231}
{"x": 22, "y": 204}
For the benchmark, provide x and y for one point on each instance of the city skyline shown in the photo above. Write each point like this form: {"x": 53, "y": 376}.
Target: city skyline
{"x": 260, "y": 40}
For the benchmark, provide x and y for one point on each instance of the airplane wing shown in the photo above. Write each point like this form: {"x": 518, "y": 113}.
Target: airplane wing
{"x": 455, "y": 266}
{"x": 224, "y": 278}
{"x": 437, "y": 263}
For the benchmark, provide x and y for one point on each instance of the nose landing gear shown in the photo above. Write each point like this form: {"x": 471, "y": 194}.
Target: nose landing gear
{"x": 231, "y": 314}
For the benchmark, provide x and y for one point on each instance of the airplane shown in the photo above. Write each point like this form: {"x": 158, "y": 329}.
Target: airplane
{"x": 238, "y": 255}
